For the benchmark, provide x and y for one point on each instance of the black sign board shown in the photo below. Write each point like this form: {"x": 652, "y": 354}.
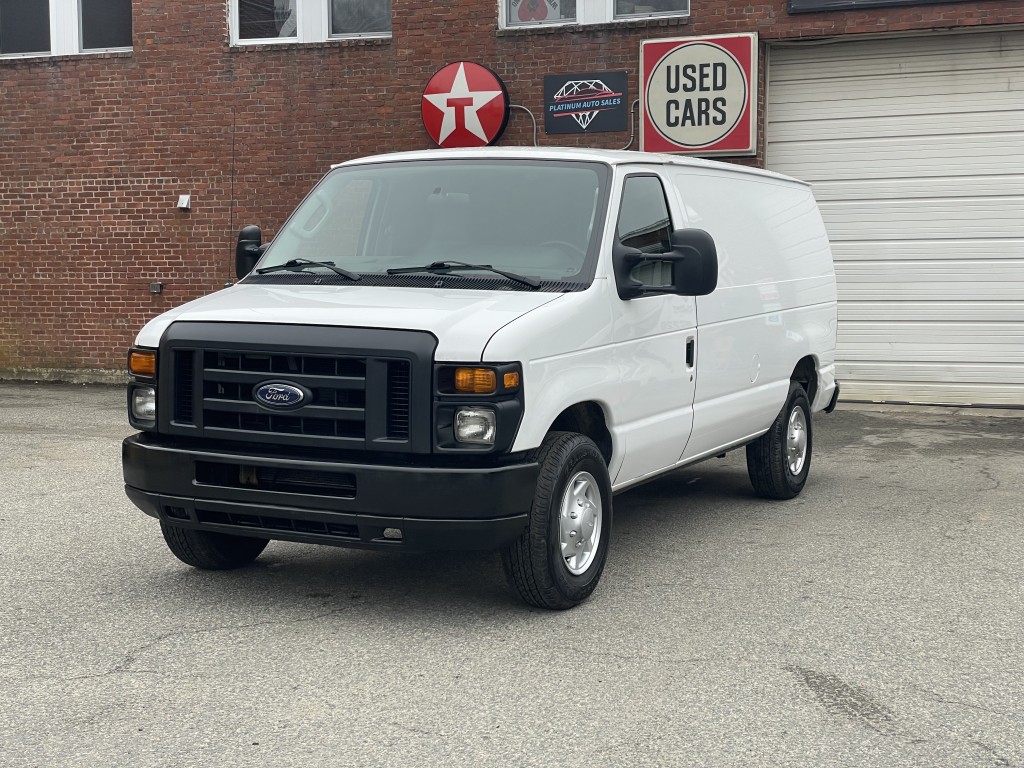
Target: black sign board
{"x": 590, "y": 102}
{"x": 806, "y": 6}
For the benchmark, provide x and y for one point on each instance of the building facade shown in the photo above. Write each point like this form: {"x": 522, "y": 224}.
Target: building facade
{"x": 906, "y": 117}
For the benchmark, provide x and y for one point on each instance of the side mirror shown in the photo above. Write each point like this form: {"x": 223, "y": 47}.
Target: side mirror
{"x": 248, "y": 250}
{"x": 689, "y": 269}
{"x": 695, "y": 262}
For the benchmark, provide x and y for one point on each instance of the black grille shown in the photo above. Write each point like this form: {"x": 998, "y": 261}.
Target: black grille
{"x": 269, "y": 522}
{"x": 337, "y": 385}
{"x": 314, "y": 483}
{"x": 398, "y": 400}
{"x": 362, "y": 389}
{"x": 184, "y": 366}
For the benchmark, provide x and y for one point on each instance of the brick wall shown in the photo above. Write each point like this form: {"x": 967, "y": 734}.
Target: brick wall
{"x": 94, "y": 150}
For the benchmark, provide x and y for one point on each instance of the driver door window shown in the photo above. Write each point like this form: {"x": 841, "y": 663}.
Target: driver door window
{"x": 644, "y": 221}
{"x": 645, "y": 224}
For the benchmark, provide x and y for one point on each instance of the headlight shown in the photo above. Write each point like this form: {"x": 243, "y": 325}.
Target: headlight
{"x": 475, "y": 425}
{"x": 144, "y": 403}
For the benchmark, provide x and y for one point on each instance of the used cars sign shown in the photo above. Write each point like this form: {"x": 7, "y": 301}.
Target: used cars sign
{"x": 699, "y": 95}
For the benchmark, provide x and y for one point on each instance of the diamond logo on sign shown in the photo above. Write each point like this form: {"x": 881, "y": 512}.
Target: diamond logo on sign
{"x": 589, "y": 92}
{"x": 465, "y": 105}
{"x": 699, "y": 95}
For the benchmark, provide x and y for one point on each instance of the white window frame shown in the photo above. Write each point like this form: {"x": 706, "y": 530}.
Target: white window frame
{"x": 65, "y": 34}
{"x": 312, "y": 25}
{"x": 589, "y": 12}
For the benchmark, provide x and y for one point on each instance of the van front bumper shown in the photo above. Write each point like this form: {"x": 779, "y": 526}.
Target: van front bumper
{"x": 324, "y": 502}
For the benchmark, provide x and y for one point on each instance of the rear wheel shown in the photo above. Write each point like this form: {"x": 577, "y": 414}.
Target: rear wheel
{"x": 558, "y": 560}
{"x": 211, "y": 551}
{"x": 779, "y": 460}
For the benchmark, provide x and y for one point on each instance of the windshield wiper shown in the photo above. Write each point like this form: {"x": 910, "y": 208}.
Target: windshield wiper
{"x": 444, "y": 267}
{"x": 297, "y": 265}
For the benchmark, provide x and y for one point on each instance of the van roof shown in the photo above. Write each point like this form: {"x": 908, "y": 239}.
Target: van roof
{"x": 607, "y": 156}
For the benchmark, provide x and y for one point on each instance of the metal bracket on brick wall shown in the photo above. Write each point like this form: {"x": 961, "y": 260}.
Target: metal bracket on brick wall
{"x": 632, "y": 123}
{"x": 532, "y": 118}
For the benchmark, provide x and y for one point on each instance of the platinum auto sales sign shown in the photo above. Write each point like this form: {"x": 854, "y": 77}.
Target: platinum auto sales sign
{"x": 699, "y": 95}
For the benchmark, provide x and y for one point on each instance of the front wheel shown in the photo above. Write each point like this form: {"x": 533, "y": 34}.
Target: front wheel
{"x": 779, "y": 460}
{"x": 211, "y": 551}
{"x": 558, "y": 560}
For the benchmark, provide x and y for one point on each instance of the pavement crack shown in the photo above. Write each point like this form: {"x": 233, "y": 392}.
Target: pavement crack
{"x": 661, "y": 659}
{"x": 413, "y": 729}
{"x": 938, "y": 698}
{"x": 125, "y": 666}
{"x": 132, "y": 655}
{"x": 1000, "y": 761}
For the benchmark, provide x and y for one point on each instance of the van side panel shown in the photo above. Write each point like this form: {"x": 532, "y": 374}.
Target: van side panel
{"x": 570, "y": 355}
{"x": 775, "y": 302}
{"x": 565, "y": 351}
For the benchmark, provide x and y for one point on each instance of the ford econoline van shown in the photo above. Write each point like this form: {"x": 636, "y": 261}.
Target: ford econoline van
{"x": 476, "y": 349}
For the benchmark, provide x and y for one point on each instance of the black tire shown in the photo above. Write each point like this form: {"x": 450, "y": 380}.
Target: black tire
{"x": 534, "y": 564}
{"x": 768, "y": 458}
{"x": 211, "y": 551}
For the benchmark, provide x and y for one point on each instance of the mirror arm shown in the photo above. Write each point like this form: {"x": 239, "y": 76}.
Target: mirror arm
{"x": 624, "y": 260}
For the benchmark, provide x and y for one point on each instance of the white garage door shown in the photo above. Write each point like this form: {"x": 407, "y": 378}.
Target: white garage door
{"x": 915, "y": 149}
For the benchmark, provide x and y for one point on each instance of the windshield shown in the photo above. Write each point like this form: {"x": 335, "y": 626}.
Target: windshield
{"x": 527, "y": 218}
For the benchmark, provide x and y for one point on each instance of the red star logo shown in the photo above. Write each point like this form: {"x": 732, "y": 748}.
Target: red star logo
{"x": 464, "y": 105}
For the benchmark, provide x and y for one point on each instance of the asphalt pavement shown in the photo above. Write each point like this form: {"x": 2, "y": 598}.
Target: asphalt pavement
{"x": 875, "y": 620}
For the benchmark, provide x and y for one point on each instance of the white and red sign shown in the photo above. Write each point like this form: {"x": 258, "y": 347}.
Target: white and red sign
{"x": 699, "y": 95}
{"x": 465, "y": 105}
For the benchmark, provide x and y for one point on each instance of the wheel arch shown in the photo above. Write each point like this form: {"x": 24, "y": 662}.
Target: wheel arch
{"x": 586, "y": 418}
{"x": 806, "y": 374}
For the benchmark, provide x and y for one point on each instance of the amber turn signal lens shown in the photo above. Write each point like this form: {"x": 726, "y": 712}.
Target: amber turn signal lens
{"x": 511, "y": 380}
{"x": 142, "y": 363}
{"x": 475, "y": 381}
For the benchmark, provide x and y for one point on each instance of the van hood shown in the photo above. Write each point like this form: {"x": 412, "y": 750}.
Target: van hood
{"x": 462, "y": 320}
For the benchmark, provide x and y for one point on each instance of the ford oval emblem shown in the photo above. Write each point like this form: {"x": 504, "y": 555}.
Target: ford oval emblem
{"x": 278, "y": 395}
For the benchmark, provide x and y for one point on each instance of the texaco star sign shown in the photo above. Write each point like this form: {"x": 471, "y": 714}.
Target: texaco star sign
{"x": 464, "y": 105}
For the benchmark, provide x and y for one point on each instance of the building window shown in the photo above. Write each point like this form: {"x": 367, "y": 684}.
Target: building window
{"x": 24, "y": 27}
{"x": 106, "y": 24}
{"x": 64, "y": 27}
{"x": 308, "y": 21}
{"x": 626, "y": 9}
{"x": 523, "y": 13}
{"x": 360, "y": 17}
{"x": 266, "y": 19}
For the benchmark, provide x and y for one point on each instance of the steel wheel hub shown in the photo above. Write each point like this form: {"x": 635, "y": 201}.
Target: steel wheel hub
{"x": 579, "y": 522}
{"x": 796, "y": 441}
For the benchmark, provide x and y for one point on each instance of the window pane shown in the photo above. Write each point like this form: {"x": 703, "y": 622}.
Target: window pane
{"x": 540, "y": 11}
{"x": 652, "y": 8}
{"x": 24, "y": 26}
{"x": 643, "y": 218}
{"x": 106, "y": 24}
{"x": 360, "y": 17}
{"x": 266, "y": 18}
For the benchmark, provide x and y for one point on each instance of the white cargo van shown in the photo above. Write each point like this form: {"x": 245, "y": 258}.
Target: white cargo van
{"x": 476, "y": 349}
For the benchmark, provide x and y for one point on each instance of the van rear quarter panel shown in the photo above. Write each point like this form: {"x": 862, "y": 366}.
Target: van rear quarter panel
{"x": 775, "y": 302}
